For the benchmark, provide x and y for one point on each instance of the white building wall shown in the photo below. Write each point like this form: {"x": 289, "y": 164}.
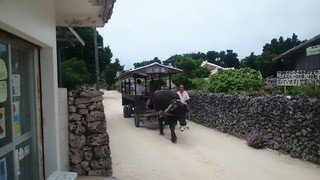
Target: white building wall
{"x": 64, "y": 130}
{"x": 50, "y": 110}
{"x": 34, "y": 21}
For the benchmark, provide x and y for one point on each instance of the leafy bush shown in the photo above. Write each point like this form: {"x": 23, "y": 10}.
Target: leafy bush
{"x": 310, "y": 90}
{"x": 74, "y": 74}
{"x": 244, "y": 80}
{"x": 200, "y": 84}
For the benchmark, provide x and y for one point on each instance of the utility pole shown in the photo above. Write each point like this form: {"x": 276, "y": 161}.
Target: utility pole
{"x": 96, "y": 58}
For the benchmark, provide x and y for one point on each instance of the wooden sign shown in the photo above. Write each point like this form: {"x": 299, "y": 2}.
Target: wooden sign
{"x": 313, "y": 50}
{"x": 156, "y": 70}
{"x": 298, "y": 78}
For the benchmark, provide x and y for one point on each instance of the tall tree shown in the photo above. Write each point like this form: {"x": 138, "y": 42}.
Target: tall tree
{"x": 229, "y": 59}
{"x": 86, "y": 52}
{"x": 264, "y": 62}
{"x": 212, "y": 56}
{"x": 197, "y": 56}
{"x": 109, "y": 74}
{"x": 173, "y": 60}
{"x": 250, "y": 61}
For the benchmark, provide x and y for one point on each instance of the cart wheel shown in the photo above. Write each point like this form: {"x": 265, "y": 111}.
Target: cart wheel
{"x": 129, "y": 106}
{"x": 125, "y": 111}
{"x": 137, "y": 121}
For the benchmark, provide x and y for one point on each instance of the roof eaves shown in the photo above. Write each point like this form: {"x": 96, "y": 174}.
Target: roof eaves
{"x": 155, "y": 63}
{"x": 108, "y": 10}
{"x": 127, "y": 73}
{"x": 67, "y": 36}
{"x": 211, "y": 64}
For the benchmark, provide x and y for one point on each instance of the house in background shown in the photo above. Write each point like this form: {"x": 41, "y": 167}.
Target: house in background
{"x": 33, "y": 137}
{"x": 213, "y": 68}
{"x": 306, "y": 55}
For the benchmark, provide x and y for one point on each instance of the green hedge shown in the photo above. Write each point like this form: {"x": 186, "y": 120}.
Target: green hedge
{"x": 244, "y": 80}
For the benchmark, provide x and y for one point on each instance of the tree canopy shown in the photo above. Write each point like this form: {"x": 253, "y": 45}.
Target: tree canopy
{"x": 191, "y": 70}
{"x": 226, "y": 58}
{"x": 108, "y": 75}
{"x": 85, "y": 55}
{"x": 229, "y": 58}
{"x": 264, "y": 62}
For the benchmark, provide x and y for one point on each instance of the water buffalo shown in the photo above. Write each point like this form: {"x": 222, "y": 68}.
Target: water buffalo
{"x": 171, "y": 110}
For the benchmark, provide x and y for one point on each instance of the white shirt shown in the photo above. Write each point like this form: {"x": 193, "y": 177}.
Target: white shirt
{"x": 184, "y": 96}
{"x": 139, "y": 89}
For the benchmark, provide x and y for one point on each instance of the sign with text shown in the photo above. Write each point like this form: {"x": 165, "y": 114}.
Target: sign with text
{"x": 298, "y": 78}
{"x": 155, "y": 70}
{"x": 313, "y": 50}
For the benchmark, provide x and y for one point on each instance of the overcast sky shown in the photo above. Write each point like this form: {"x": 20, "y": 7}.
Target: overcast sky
{"x": 143, "y": 29}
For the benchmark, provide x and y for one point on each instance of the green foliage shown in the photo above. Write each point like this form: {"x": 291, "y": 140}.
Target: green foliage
{"x": 173, "y": 60}
{"x": 264, "y": 62}
{"x": 226, "y": 58}
{"x": 107, "y": 77}
{"x": 200, "y": 84}
{"x": 191, "y": 70}
{"x": 244, "y": 80}
{"x": 74, "y": 74}
{"x": 310, "y": 90}
{"x": 251, "y": 61}
{"x": 86, "y": 52}
{"x": 144, "y": 63}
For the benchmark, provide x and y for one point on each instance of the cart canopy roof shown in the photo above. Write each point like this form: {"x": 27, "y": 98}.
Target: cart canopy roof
{"x": 148, "y": 70}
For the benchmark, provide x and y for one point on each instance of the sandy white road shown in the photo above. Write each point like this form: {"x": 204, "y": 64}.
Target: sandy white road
{"x": 200, "y": 153}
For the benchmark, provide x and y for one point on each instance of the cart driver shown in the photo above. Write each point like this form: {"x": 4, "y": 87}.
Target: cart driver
{"x": 184, "y": 97}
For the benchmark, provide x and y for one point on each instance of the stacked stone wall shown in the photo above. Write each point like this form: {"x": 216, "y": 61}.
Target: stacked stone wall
{"x": 289, "y": 124}
{"x": 88, "y": 138}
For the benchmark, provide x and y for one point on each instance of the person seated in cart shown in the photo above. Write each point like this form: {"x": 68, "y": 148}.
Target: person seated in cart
{"x": 139, "y": 88}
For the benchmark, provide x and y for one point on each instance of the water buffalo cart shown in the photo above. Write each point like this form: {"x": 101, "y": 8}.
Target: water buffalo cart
{"x": 152, "y": 77}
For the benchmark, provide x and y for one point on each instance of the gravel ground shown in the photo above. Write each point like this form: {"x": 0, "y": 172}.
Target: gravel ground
{"x": 200, "y": 153}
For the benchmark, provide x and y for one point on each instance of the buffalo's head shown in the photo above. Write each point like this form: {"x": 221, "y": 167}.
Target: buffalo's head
{"x": 179, "y": 110}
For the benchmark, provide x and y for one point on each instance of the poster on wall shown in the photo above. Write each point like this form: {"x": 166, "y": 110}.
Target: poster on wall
{"x": 16, "y": 119}
{"x": 2, "y": 123}
{"x": 3, "y": 70}
{"x": 16, "y": 85}
{"x": 3, "y": 169}
{"x": 3, "y": 91}
{"x": 21, "y": 153}
{"x": 26, "y": 150}
{"x": 16, "y": 162}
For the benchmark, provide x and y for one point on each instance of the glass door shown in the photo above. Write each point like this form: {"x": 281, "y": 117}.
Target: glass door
{"x": 18, "y": 119}
{"x": 6, "y": 140}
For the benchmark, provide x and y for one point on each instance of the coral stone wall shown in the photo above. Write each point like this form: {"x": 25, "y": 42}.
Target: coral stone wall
{"x": 88, "y": 137}
{"x": 290, "y": 125}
